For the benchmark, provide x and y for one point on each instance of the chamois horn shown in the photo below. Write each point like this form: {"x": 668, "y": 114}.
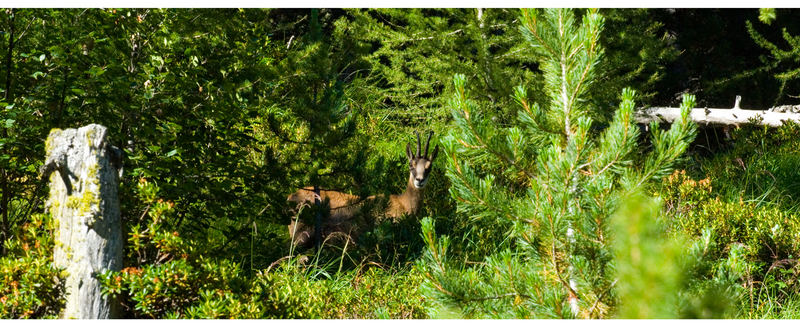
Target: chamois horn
{"x": 427, "y": 143}
{"x": 418, "y": 147}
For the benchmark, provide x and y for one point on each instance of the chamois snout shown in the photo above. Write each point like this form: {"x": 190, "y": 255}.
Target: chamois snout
{"x": 419, "y": 175}
{"x": 420, "y": 183}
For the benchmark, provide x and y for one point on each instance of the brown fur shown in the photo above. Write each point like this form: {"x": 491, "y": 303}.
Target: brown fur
{"x": 342, "y": 217}
{"x": 345, "y": 217}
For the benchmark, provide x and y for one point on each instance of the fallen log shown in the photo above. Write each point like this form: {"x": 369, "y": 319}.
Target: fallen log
{"x": 774, "y": 116}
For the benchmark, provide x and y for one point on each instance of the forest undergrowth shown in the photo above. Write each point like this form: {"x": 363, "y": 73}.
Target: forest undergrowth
{"x": 547, "y": 200}
{"x": 736, "y": 209}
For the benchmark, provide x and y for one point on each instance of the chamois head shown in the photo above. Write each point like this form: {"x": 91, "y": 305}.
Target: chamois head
{"x": 420, "y": 165}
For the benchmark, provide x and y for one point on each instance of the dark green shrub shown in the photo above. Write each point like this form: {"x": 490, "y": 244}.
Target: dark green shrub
{"x": 171, "y": 277}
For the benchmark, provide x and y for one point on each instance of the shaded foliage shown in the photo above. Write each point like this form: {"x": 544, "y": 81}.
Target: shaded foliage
{"x": 223, "y": 113}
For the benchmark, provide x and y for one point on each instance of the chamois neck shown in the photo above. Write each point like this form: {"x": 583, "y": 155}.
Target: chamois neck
{"x": 412, "y": 196}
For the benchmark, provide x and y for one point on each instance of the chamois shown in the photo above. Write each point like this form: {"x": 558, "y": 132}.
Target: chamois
{"x": 346, "y": 216}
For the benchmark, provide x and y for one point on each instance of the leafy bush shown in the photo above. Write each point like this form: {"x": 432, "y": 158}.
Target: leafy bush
{"x": 170, "y": 277}
{"x": 30, "y": 286}
{"x": 753, "y": 247}
{"x": 292, "y": 292}
{"x": 177, "y": 286}
{"x": 218, "y": 290}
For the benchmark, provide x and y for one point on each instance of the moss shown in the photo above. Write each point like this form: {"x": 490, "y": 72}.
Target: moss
{"x": 73, "y": 201}
{"x": 54, "y": 193}
{"x": 91, "y": 198}
{"x": 92, "y": 174}
{"x": 87, "y": 201}
{"x": 48, "y": 144}
{"x": 83, "y": 203}
{"x": 54, "y": 206}
{"x": 89, "y": 136}
{"x": 54, "y": 196}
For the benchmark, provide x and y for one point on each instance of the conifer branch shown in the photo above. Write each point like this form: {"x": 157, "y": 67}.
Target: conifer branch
{"x": 600, "y": 296}
{"x": 576, "y": 181}
{"x": 433, "y": 37}
{"x": 497, "y": 297}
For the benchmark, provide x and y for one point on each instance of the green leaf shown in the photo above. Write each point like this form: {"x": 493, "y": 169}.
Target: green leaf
{"x": 172, "y": 153}
{"x": 96, "y": 71}
{"x": 9, "y": 123}
{"x": 767, "y": 15}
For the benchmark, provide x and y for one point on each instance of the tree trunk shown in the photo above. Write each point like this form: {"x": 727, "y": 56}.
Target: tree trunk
{"x": 83, "y": 171}
{"x": 735, "y": 116}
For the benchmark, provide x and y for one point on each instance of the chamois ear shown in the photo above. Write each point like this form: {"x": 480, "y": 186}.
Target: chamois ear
{"x": 409, "y": 155}
{"x": 435, "y": 152}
